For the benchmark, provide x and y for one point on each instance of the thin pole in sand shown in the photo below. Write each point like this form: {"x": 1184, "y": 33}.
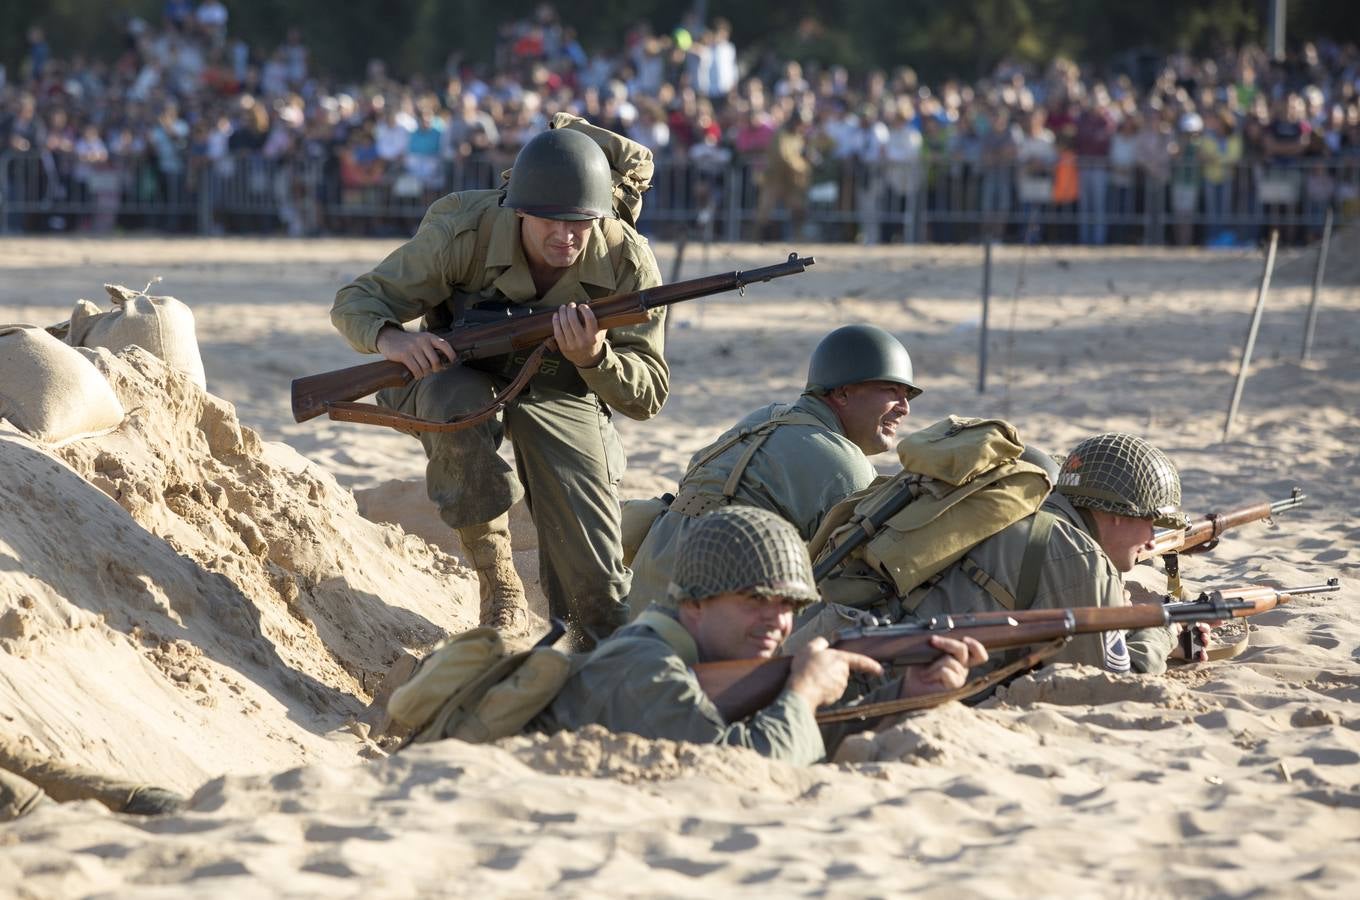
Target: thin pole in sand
{"x": 1317, "y": 286}
{"x": 1251, "y": 332}
{"x": 986, "y": 306}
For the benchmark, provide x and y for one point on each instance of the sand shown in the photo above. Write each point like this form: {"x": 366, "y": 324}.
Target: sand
{"x": 207, "y": 599}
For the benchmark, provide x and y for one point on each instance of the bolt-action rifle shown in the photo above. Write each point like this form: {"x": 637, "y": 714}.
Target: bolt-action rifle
{"x": 332, "y": 393}
{"x": 741, "y": 687}
{"x": 1202, "y": 534}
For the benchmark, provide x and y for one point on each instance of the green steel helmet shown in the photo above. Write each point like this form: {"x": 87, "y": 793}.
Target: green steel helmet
{"x": 562, "y": 174}
{"x": 742, "y": 549}
{"x": 1124, "y": 475}
{"x": 855, "y": 353}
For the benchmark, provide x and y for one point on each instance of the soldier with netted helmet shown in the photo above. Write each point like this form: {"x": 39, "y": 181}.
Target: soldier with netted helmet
{"x": 558, "y": 235}
{"x": 739, "y": 577}
{"x": 1112, "y": 490}
{"x": 797, "y": 460}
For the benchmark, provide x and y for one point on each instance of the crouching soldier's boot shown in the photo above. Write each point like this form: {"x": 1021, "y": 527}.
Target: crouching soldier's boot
{"x": 503, "y": 604}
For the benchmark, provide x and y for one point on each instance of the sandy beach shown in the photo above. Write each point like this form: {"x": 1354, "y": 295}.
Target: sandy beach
{"x": 207, "y": 598}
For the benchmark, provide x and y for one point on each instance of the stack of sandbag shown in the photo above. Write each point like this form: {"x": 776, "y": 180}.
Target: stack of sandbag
{"x": 162, "y": 326}
{"x": 49, "y": 391}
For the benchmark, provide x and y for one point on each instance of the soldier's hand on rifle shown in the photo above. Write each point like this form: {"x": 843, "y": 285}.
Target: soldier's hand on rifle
{"x": 820, "y": 674}
{"x": 947, "y": 673}
{"x": 1200, "y": 642}
{"x": 419, "y": 351}
{"x": 578, "y": 335}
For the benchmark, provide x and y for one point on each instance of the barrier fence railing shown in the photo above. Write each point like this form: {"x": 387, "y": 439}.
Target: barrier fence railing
{"x": 954, "y": 200}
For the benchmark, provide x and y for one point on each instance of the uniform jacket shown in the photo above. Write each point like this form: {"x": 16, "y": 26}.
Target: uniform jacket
{"x": 1076, "y": 572}
{"x": 421, "y": 277}
{"x": 799, "y": 472}
{"x": 639, "y": 681}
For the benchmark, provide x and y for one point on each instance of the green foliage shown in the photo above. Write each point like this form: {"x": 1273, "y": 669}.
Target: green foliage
{"x": 962, "y": 38}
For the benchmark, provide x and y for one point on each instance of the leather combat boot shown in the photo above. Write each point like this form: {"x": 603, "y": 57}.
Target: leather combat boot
{"x": 503, "y": 605}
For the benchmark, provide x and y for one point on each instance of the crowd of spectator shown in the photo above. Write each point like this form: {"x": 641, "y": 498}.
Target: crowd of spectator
{"x": 189, "y": 118}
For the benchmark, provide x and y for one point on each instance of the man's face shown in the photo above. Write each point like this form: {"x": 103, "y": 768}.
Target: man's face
{"x": 552, "y": 243}
{"x": 738, "y": 626}
{"x": 870, "y": 412}
{"x": 1121, "y": 537}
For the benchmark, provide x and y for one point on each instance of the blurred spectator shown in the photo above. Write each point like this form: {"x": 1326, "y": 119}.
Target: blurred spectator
{"x": 997, "y": 156}
{"x": 212, "y": 16}
{"x": 1220, "y": 149}
{"x": 785, "y": 180}
{"x": 1152, "y": 153}
{"x": 1095, "y": 127}
{"x": 902, "y": 164}
{"x": 1035, "y": 155}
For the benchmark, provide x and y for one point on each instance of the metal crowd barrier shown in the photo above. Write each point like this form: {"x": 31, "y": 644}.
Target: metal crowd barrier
{"x": 948, "y": 201}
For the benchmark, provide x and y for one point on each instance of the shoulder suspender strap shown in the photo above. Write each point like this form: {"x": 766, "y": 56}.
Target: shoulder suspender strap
{"x": 1031, "y": 567}
{"x": 1032, "y": 563}
{"x": 734, "y": 479}
{"x": 762, "y": 433}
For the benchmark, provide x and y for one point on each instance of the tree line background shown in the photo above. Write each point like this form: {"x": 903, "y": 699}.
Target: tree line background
{"x": 963, "y": 38}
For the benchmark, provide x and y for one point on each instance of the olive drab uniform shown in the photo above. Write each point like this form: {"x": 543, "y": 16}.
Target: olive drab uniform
{"x": 639, "y": 681}
{"x": 784, "y": 181}
{"x": 793, "y": 460}
{"x": 1066, "y": 568}
{"x": 466, "y": 262}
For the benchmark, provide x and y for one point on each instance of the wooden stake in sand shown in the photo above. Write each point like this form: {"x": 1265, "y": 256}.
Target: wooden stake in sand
{"x": 1251, "y": 332}
{"x": 986, "y": 306}
{"x": 1317, "y": 286}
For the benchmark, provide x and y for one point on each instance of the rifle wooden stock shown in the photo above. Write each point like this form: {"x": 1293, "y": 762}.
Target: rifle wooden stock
{"x": 312, "y": 394}
{"x": 1203, "y": 533}
{"x": 741, "y": 687}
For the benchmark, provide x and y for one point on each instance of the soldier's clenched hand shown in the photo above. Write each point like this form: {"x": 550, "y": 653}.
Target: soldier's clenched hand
{"x": 578, "y": 335}
{"x": 947, "y": 673}
{"x": 421, "y": 352}
{"x": 820, "y": 674}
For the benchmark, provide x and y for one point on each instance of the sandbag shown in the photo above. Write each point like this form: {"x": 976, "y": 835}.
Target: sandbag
{"x": 162, "y": 326}
{"x": 49, "y": 391}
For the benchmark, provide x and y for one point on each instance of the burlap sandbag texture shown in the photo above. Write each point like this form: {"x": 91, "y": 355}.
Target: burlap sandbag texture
{"x": 49, "y": 391}
{"x": 162, "y": 326}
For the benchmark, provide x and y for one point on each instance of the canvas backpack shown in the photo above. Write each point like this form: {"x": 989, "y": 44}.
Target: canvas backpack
{"x": 962, "y": 481}
{"x": 473, "y": 689}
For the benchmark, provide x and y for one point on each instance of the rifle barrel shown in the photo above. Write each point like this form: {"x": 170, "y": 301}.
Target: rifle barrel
{"x": 1210, "y": 527}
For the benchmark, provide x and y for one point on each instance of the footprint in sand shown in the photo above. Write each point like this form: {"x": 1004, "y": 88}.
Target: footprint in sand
{"x": 1330, "y": 555}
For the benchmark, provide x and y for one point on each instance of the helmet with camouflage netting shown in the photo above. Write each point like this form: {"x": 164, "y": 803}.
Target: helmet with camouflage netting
{"x": 1125, "y": 475}
{"x": 744, "y": 550}
{"x": 855, "y": 353}
{"x": 562, "y": 174}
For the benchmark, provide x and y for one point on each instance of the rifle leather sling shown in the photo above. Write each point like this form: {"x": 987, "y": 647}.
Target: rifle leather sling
{"x": 909, "y": 704}
{"x": 372, "y": 414}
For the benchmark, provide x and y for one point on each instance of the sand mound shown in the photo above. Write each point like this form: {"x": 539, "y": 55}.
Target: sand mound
{"x": 178, "y": 568}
